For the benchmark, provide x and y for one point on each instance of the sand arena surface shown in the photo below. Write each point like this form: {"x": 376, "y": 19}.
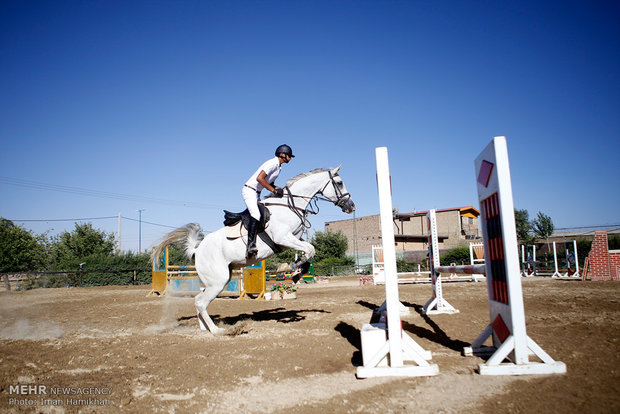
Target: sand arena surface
{"x": 144, "y": 354}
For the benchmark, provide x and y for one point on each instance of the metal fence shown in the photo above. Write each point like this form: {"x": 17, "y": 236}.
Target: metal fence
{"x": 32, "y": 280}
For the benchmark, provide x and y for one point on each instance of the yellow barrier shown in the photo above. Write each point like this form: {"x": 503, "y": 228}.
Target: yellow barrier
{"x": 173, "y": 279}
{"x": 160, "y": 277}
{"x": 254, "y": 281}
{"x": 184, "y": 280}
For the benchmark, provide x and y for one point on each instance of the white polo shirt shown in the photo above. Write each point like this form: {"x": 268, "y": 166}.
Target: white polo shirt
{"x": 271, "y": 167}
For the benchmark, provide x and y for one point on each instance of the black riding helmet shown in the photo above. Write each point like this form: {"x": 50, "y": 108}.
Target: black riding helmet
{"x": 284, "y": 149}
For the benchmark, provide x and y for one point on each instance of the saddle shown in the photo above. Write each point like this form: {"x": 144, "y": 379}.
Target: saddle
{"x": 231, "y": 219}
{"x": 237, "y": 224}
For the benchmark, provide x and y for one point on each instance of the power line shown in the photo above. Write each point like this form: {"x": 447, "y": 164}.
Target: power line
{"x": 71, "y": 219}
{"x": 99, "y": 218}
{"x": 91, "y": 219}
{"x": 148, "y": 222}
{"x": 101, "y": 194}
{"x": 589, "y": 227}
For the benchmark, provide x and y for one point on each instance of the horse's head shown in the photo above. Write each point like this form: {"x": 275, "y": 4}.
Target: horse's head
{"x": 336, "y": 192}
{"x": 324, "y": 182}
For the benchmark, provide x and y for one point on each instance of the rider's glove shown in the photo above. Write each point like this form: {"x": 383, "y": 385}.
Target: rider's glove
{"x": 278, "y": 192}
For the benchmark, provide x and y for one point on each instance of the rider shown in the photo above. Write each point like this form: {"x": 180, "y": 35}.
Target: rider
{"x": 264, "y": 177}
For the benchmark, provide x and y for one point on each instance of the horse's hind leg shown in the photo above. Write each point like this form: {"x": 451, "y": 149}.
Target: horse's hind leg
{"x": 213, "y": 286}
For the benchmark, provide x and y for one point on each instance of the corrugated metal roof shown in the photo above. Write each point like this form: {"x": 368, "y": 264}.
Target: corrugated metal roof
{"x": 468, "y": 211}
{"x": 571, "y": 234}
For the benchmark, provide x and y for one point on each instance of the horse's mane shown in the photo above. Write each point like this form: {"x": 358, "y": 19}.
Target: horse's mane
{"x": 298, "y": 177}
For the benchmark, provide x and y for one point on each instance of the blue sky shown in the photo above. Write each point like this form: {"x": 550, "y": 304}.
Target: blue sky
{"x": 109, "y": 107}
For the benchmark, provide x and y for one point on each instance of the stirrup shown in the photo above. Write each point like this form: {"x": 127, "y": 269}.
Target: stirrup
{"x": 251, "y": 253}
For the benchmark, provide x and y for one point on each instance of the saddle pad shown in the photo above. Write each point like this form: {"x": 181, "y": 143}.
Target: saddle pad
{"x": 236, "y": 231}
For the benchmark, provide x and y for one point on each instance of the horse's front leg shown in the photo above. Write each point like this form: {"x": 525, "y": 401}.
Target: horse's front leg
{"x": 293, "y": 242}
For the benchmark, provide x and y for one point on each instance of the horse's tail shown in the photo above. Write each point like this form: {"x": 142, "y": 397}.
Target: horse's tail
{"x": 190, "y": 235}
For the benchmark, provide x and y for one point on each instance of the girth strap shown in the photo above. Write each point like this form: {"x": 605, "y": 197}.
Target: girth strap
{"x": 269, "y": 242}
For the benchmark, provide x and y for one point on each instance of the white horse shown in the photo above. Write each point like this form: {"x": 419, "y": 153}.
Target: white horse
{"x": 217, "y": 254}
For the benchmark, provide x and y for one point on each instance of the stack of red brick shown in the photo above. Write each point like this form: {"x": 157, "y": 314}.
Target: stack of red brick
{"x": 604, "y": 264}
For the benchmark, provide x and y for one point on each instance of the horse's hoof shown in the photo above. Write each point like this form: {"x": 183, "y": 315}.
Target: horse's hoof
{"x": 219, "y": 332}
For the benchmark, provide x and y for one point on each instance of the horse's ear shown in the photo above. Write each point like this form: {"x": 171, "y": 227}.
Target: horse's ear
{"x": 335, "y": 170}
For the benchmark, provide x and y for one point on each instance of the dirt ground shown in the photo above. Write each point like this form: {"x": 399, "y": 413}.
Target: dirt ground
{"x": 103, "y": 349}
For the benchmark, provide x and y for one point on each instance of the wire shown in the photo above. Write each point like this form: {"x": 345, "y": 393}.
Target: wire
{"x": 148, "y": 222}
{"x": 588, "y": 227}
{"x": 90, "y": 219}
{"x": 72, "y": 219}
{"x": 100, "y": 218}
{"x": 101, "y": 194}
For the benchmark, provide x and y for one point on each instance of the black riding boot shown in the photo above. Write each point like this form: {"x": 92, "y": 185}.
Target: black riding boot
{"x": 251, "y": 250}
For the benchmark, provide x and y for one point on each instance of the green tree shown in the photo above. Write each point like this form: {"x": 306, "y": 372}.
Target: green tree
{"x": 329, "y": 244}
{"x": 524, "y": 227}
{"x": 543, "y": 227}
{"x": 20, "y": 249}
{"x": 70, "y": 249}
{"x": 458, "y": 254}
{"x": 177, "y": 255}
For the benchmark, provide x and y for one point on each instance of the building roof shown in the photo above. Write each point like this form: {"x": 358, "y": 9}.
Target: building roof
{"x": 467, "y": 211}
{"x": 587, "y": 232}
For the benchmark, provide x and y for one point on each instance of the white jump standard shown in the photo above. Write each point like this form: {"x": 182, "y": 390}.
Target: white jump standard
{"x": 436, "y": 304}
{"x": 384, "y": 349}
{"x": 571, "y": 258}
{"x": 507, "y": 315}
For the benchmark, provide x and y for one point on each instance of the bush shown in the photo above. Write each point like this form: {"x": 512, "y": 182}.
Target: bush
{"x": 329, "y": 244}
{"x": 458, "y": 255}
{"x": 403, "y": 266}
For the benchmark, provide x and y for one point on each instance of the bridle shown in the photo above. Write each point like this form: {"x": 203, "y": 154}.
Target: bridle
{"x": 341, "y": 199}
{"x": 302, "y": 214}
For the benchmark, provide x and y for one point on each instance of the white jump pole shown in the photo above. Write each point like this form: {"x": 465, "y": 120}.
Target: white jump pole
{"x": 507, "y": 314}
{"x": 576, "y": 260}
{"x": 555, "y": 262}
{"x": 397, "y": 346}
{"x": 436, "y": 304}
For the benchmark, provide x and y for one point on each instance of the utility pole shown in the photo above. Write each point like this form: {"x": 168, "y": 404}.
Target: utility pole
{"x": 120, "y": 218}
{"x": 140, "y": 230}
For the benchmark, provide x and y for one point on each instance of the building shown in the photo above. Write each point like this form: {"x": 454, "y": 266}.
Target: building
{"x": 458, "y": 225}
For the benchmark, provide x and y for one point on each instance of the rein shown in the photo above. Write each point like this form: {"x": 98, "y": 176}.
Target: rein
{"x": 301, "y": 213}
